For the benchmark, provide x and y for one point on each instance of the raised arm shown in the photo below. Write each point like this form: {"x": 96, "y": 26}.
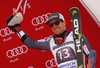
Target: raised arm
{"x": 42, "y": 45}
{"x": 13, "y": 23}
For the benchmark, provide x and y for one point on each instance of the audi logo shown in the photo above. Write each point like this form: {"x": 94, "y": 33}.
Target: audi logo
{"x": 30, "y": 67}
{"x": 40, "y": 19}
{"x": 5, "y": 31}
{"x": 50, "y": 63}
{"x": 17, "y": 51}
{"x": 46, "y": 38}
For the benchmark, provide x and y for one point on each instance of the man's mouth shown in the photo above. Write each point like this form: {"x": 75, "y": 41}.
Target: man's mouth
{"x": 56, "y": 29}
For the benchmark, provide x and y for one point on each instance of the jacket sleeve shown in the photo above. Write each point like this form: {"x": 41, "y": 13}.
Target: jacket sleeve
{"x": 91, "y": 54}
{"x": 30, "y": 43}
{"x": 41, "y": 45}
{"x": 86, "y": 46}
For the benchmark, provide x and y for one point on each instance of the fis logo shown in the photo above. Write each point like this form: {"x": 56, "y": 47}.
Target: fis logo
{"x": 23, "y": 7}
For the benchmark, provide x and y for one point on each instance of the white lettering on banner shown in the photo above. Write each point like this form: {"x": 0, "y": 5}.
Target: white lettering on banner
{"x": 14, "y": 60}
{"x": 7, "y": 39}
{"x": 50, "y": 63}
{"x": 39, "y": 28}
{"x": 23, "y": 8}
{"x": 40, "y": 19}
{"x": 6, "y": 31}
{"x": 17, "y": 51}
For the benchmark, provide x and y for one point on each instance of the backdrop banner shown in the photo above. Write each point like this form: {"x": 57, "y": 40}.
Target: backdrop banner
{"x": 15, "y": 54}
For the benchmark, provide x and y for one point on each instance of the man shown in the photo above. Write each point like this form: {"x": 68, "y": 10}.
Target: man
{"x": 61, "y": 44}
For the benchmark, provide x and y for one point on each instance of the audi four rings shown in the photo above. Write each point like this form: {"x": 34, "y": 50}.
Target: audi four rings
{"x": 50, "y": 63}
{"x": 40, "y": 19}
{"x": 6, "y": 31}
{"x": 17, "y": 51}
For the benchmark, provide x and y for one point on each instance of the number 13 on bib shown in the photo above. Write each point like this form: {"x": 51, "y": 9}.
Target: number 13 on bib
{"x": 77, "y": 35}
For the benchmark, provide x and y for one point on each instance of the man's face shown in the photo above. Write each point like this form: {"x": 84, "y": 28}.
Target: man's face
{"x": 57, "y": 26}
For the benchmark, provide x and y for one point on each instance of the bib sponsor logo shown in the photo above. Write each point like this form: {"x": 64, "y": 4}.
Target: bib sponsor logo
{"x": 68, "y": 65}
